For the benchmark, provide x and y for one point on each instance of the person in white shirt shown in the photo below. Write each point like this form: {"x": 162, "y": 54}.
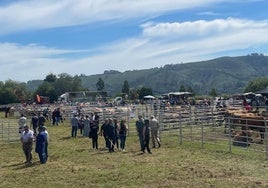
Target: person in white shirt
{"x": 27, "y": 137}
{"x": 22, "y": 123}
{"x": 154, "y": 126}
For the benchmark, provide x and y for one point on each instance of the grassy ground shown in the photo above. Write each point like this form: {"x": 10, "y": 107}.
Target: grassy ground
{"x": 72, "y": 163}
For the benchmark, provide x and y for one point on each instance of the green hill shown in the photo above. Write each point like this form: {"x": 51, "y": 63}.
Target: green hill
{"x": 226, "y": 74}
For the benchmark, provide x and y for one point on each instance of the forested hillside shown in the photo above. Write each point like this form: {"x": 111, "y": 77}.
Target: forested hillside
{"x": 225, "y": 74}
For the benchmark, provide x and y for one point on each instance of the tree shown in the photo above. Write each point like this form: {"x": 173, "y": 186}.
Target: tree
{"x": 7, "y": 96}
{"x": 13, "y": 92}
{"x": 145, "y": 91}
{"x": 257, "y": 84}
{"x": 46, "y": 89}
{"x": 213, "y": 92}
{"x": 133, "y": 94}
{"x": 100, "y": 85}
{"x": 53, "y": 87}
{"x": 182, "y": 88}
{"x": 191, "y": 90}
{"x": 125, "y": 88}
{"x": 50, "y": 78}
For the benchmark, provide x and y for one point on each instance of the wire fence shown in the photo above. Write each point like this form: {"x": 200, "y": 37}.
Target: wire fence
{"x": 202, "y": 125}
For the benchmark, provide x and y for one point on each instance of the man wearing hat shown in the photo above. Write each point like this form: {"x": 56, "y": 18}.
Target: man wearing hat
{"x": 154, "y": 125}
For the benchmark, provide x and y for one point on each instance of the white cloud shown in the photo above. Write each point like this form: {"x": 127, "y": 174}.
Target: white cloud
{"x": 36, "y": 14}
{"x": 201, "y": 28}
{"x": 157, "y": 45}
{"x": 149, "y": 50}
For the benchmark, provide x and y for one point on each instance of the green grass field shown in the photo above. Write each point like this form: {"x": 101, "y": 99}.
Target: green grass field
{"x": 72, "y": 163}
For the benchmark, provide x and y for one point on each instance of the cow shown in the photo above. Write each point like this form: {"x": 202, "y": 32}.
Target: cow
{"x": 246, "y": 121}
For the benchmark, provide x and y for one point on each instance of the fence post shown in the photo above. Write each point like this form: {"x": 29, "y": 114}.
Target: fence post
{"x": 212, "y": 119}
{"x": 229, "y": 135}
{"x": 2, "y": 126}
{"x": 8, "y": 132}
{"x": 266, "y": 137}
{"x": 202, "y": 135}
{"x": 180, "y": 128}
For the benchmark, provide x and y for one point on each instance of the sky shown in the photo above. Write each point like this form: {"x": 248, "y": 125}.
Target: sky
{"x": 88, "y": 37}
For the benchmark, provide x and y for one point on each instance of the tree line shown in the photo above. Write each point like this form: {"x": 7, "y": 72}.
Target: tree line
{"x": 55, "y": 85}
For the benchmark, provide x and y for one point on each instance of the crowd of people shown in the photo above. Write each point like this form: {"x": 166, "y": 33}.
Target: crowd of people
{"x": 110, "y": 130}
{"x": 113, "y": 131}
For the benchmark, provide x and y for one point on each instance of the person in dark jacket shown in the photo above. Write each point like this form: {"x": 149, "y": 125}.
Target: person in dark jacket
{"x": 139, "y": 128}
{"x": 115, "y": 124}
{"x": 103, "y": 132}
{"x": 123, "y": 128}
{"x": 40, "y": 146}
{"x": 94, "y": 129}
{"x": 146, "y": 137}
{"x": 110, "y": 135}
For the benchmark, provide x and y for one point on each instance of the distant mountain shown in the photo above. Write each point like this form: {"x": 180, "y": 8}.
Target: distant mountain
{"x": 226, "y": 74}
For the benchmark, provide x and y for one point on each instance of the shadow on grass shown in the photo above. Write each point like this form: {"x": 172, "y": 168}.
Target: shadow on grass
{"x": 19, "y": 166}
{"x": 66, "y": 138}
{"x": 139, "y": 154}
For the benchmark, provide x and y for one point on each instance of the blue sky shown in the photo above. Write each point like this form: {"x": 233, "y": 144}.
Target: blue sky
{"x": 90, "y": 36}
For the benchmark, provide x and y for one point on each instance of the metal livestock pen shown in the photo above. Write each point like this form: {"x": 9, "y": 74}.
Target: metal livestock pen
{"x": 201, "y": 125}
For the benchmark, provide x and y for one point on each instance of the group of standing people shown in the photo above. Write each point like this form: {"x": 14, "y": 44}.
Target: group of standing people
{"x": 110, "y": 130}
{"x": 84, "y": 123}
{"x": 39, "y": 135}
{"x": 41, "y": 143}
{"x": 148, "y": 129}
{"x": 113, "y": 132}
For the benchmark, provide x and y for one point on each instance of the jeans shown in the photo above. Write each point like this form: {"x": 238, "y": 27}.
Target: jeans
{"x": 122, "y": 141}
{"x": 141, "y": 140}
{"x": 74, "y": 131}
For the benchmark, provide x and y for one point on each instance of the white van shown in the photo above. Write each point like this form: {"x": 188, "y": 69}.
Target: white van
{"x": 118, "y": 100}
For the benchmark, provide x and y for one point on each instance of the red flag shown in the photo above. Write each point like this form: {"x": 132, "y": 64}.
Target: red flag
{"x": 38, "y": 99}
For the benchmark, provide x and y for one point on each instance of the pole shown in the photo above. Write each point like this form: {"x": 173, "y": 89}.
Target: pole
{"x": 266, "y": 137}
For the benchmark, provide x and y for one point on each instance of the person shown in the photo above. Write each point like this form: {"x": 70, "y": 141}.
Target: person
{"x": 45, "y": 113}
{"x": 146, "y": 137}
{"x": 22, "y": 123}
{"x": 41, "y": 120}
{"x": 139, "y": 128}
{"x": 116, "y": 133}
{"x": 54, "y": 116}
{"x": 103, "y": 132}
{"x": 86, "y": 126}
{"x": 96, "y": 117}
{"x": 81, "y": 123}
{"x": 47, "y": 140}
{"x": 123, "y": 128}
{"x": 110, "y": 135}
{"x": 154, "y": 125}
{"x": 40, "y": 146}
{"x": 7, "y": 111}
{"x": 74, "y": 124}
{"x": 93, "y": 134}
{"x": 58, "y": 116}
{"x": 266, "y": 103}
{"x": 248, "y": 107}
{"x": 27, "y": 137}
{"x": 34, "y": 123}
